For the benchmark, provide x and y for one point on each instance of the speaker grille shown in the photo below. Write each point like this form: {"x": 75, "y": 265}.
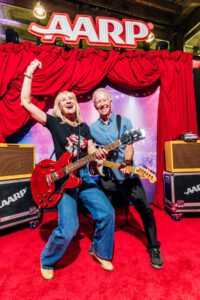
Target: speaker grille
{"x": 186, "y": 155}
{"x": 182, "y": 157}
{"x": 16, "y": 161}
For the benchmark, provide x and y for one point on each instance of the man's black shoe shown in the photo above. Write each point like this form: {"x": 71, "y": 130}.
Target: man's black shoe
{"x": 156, "y": 258}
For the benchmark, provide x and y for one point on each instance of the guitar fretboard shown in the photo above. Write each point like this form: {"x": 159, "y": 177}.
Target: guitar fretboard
{"x": 114, "y": 165}
{"x": 141, "y": 171}
{"x": 86, "y": 159}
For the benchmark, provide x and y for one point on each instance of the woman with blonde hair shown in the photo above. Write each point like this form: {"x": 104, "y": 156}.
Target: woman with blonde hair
{"x": 70, "y": 134}
{"x": 57, "y": 111}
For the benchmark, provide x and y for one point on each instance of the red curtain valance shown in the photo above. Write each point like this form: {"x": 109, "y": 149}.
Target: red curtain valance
{"x": 82, "y": 70}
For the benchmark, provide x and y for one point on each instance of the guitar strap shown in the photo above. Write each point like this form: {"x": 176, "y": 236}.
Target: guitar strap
{"x": 52, "y": 154}
{"x": 119, "y": 124}
{"x": 78, "y": 146}
{"x": 112, "y": 156}
{"x": 106, "y": 180}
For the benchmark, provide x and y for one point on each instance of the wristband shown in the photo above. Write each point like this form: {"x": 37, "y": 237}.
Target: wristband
{"x": 28, "y": 76}
{"x": 128, "y": 162}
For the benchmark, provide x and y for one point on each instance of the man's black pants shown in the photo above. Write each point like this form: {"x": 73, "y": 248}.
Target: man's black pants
{"x": 132, "y": 190}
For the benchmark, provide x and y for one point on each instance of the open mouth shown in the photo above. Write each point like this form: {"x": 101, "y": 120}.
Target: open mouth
{"x": 69, "y": 106}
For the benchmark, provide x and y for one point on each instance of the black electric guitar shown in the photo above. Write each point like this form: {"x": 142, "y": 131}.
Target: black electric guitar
{"x": 51, "y": 178}
{"x": 142, "y": 171}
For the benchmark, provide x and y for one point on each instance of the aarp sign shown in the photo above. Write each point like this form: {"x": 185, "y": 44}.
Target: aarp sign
{"x": 104, "y": 32}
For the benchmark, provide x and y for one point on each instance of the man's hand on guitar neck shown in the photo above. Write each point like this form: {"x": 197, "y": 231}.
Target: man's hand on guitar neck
{"x": 123, "y": 167}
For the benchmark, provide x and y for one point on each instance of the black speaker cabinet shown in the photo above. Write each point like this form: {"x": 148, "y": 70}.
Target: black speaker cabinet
{"x": 16, "y": 161}
{"x": 181, "y": 156}
{"x": 182, "y": 193}
{"x": 16, "y": 204}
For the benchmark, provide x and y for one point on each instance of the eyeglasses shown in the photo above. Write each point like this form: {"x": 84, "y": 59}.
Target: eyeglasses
{"x": 97, "y": 102}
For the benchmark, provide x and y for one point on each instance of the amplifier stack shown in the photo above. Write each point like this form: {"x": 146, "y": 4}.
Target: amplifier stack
{"x": 16, "y": 204}
{"x": 182, "y": 178}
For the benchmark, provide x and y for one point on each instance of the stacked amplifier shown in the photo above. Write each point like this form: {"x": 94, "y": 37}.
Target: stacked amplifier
{"x": 16, "y": 204}
{"x": 182, "y": 177}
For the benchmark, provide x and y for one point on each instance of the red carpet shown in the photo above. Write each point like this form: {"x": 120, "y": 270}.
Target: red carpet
{"x": 79, "y": 277}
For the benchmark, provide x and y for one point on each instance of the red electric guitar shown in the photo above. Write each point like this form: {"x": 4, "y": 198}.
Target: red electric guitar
{"x": 51, "y": 178}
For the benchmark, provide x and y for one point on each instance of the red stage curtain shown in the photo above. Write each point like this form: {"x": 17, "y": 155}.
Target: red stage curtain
{"x": 82, "y": 70}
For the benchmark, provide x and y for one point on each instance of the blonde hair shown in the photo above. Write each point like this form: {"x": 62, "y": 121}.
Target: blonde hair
{"x": 58, "y": 113}
{"x": 103, "y": 90}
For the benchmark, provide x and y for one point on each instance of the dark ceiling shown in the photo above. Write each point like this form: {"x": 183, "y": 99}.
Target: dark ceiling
{"x": 175, "y": 20}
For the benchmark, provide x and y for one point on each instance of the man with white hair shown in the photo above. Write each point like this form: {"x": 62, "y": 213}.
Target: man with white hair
{"x": 108, "y": 128}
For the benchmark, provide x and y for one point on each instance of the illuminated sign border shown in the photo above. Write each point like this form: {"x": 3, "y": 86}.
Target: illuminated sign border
{"x": 105, "y": 31}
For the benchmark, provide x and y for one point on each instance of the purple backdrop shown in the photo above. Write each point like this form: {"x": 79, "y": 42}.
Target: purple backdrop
{"x": 141, "y": 110}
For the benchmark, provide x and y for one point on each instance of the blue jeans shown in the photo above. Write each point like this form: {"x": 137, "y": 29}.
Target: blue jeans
{"x": 102, "y": 212}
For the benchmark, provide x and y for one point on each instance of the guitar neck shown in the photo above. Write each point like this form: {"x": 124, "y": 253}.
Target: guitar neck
{"x": 114, "y": 165}
{"x": 141, "y": 171}
{"x": 88, "y": 158}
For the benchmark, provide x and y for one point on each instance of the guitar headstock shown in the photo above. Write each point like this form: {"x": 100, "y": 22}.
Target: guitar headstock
{"x": 144, "y": 172}
{"x": 132, "y": 136}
